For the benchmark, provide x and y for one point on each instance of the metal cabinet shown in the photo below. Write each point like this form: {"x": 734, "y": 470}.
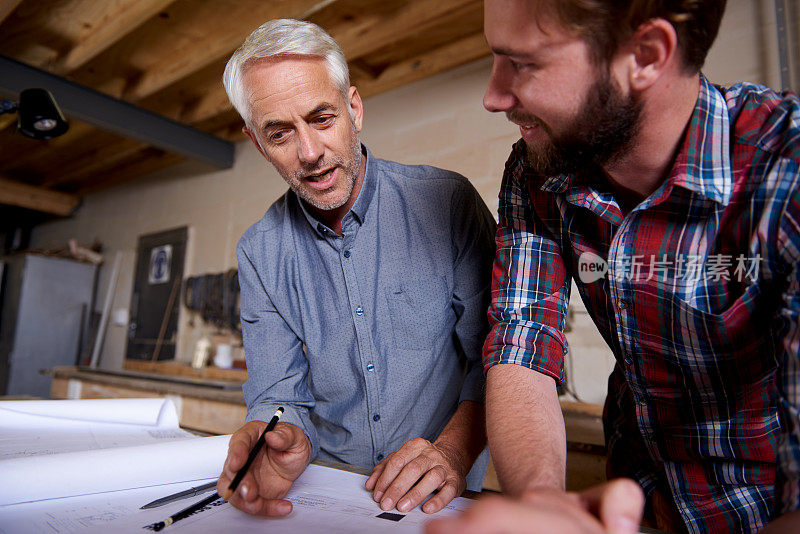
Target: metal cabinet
{"x": 44, "y": 318}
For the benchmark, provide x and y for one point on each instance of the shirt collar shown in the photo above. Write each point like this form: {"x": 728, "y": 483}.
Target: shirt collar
{"x": 703, "y": 164}
{"x": 360, "y": 206}
{"x": 518, "y": 165}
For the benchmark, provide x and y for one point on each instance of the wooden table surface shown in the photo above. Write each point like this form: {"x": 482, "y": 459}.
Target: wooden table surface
{"x": 211, "y": 401}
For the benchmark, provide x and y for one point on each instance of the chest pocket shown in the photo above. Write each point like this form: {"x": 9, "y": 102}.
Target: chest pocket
{"x": 731, "y": 352}
{"x": 419, "y": 311}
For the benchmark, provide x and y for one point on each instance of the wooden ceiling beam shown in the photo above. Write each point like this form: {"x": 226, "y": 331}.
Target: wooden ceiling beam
{"x": 444, "y": 58}
{"x": 360, "y": 69}
{"x": 144, "y": 162}
{"x": 214, "y": 102}
{"x": 70, "y": 32}
{"x": 77, "y": 134}
{"x": 106, "y": 23}
{"x": 92, "y": 162}
{"x": 13, "y": 193}
{"x": 358, "y": 39}
{"x": 6, "y": 7}
{"x": 189, "y": 48}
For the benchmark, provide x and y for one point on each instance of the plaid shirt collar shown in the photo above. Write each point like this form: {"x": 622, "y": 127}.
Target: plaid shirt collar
{"x": 703, "y": 165}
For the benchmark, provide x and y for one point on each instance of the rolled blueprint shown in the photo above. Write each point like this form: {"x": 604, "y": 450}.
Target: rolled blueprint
{"x": 36, "y": 478}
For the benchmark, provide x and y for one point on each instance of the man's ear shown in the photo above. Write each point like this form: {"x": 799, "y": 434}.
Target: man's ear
{"x": 653, "y": 50}
{"x": 254, "y": 139}
{"x": 356, "y": 107}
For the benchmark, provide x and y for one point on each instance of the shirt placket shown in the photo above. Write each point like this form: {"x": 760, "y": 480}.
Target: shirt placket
{"x": 621, "y": 295}
{"x": 367, "y": 354}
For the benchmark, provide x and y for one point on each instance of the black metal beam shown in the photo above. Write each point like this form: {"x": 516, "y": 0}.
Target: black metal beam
{"x": 117, "y": 116}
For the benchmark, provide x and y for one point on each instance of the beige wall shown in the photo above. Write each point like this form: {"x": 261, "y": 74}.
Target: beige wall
{"x": 439, "y": 121}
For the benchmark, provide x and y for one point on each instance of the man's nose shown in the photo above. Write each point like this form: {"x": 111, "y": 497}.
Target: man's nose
{"x": 310, "y": 147}
{"x": 498, "y": 96}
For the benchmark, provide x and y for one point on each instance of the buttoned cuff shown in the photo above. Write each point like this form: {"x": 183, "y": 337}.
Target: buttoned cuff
{"x": 291, "y": 414}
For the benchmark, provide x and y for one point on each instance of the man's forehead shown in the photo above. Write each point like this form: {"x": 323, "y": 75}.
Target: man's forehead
{"x": 276, "y": 71}
{"x": 303, "y": 83}
{"x": 519, "y": 28}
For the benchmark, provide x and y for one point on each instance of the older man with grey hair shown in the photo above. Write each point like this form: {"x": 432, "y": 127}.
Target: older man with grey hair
{"x": 364, "y": 293}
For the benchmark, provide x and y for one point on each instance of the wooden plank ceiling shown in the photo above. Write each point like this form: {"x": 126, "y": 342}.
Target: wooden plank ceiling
{"x": 167, "y": 56}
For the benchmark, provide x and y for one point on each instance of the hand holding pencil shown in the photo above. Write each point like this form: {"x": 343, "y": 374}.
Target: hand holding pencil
{"x": 284, "y": 457}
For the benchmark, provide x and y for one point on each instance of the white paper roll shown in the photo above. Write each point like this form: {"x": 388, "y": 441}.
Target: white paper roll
{"x": 82, "y": 473}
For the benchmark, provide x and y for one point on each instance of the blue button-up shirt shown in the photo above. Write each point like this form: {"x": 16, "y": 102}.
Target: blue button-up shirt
{"x": 371, "y": 338}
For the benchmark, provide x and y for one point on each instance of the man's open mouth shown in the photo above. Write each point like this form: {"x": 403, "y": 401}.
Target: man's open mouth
{"x": 321, "y": 176}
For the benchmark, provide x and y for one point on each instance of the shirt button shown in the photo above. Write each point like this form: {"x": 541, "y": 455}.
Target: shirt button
{"x": 376, "y": 418}
{"x": 379, "y": 457}
{"x": 370, "y": 367}
{"x": 359, "y": 311}
{"x": 346, "y": 253}
{"x": 622, "y": 304}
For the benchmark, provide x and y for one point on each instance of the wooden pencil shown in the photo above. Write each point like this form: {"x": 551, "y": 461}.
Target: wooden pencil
{"x": 186, "y": 512}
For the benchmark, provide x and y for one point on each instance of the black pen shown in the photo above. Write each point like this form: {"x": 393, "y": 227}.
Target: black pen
{"x": 186, "y": 512}
{"x": 191, "y": 492}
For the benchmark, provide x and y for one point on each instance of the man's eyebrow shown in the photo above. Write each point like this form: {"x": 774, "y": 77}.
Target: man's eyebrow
{"x": 270, "y": 124}
{"x": 324, "y": 106}
{"x": 502, "y": 51}
{"x": 541, "y": 49}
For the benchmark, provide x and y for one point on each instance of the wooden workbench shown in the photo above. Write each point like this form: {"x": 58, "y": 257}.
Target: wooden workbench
{"x": 210, "y": 400}
{"x": 208, "y": 405}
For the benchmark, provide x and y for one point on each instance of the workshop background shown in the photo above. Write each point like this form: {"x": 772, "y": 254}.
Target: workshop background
{"x": 422, "y": 66}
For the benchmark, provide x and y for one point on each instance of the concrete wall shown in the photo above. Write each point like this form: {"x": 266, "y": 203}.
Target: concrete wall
{"x": 439, "y": 121}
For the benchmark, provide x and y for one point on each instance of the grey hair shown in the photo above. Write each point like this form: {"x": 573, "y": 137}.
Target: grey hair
{"x": 283, "y": 37}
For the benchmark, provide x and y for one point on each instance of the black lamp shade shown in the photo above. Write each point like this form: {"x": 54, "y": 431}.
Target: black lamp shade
{"x": 38, "y": 115}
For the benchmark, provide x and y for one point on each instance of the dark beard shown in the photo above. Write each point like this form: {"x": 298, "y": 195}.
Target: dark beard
{"x": 603, "y": 130}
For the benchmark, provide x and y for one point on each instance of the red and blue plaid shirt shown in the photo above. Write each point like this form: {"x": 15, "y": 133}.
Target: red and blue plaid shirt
{"x": 696, "y": 291}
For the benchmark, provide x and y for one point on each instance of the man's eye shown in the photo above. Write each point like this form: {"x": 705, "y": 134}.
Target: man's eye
{"x": 518, "y": 66}
{"x": 323, "y": 120}
{"x": 276, "y": 137}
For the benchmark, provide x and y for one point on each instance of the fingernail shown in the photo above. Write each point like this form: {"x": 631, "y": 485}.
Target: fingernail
{"x": 284, "y": 508}
{"x": 243, "y": 491}
{"x": 386, "y": 504}
{"x": 624, "y": 525}
{"x": 377, "y": 496}
{"x": 404, "y": 505}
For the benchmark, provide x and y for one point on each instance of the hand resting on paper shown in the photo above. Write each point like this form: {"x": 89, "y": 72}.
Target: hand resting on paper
{"x": 611, "y": 508}
{"x": 286, "y": 455}
{"x": 406, "y": 477}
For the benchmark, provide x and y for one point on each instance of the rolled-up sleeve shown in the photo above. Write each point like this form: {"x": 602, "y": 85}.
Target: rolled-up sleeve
{"x": 277, "y": 367}
{"x": 530, "y": 285}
